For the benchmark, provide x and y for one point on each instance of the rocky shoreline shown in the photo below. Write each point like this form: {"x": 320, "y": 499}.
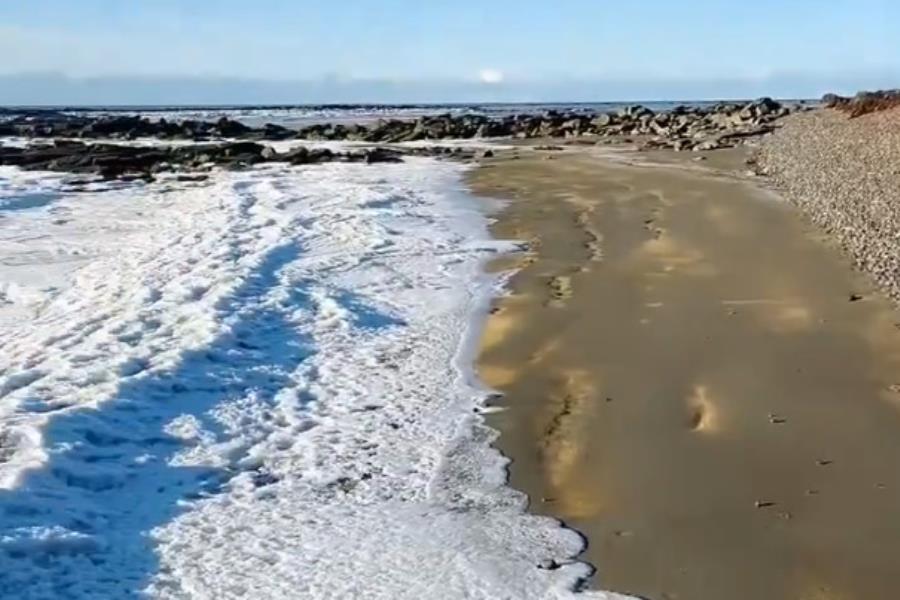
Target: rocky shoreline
{"x": 864, "y": 102}
{"x": 725, "y": 121}
{"x": 119, "y": 161}
{"x": 62, "y": 142}
{"x": 842, "y": 172}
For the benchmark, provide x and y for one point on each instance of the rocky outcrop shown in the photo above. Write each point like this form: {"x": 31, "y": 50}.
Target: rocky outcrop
{"x": 60, "y": 125}
{"x": 116, "y": 161}
{"x": 683, "y": 127}
{"x": 724, "y": 125}
{"x": 864, "y": 102}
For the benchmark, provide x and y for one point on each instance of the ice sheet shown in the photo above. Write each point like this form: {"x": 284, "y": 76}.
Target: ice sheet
{"x": 257, "y": 387}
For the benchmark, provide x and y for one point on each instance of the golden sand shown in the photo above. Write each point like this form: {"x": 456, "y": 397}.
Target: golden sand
{"x": 687, "y": 382}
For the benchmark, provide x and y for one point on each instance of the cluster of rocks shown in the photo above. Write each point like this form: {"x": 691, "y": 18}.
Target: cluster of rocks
{"x": 683, "y": 127}
{"x": 723, "y": 125}
{"x": 844, "y": 175}
{"x": 864, "y": 102}
{"x": 54, "y": 124}
{"x": 62, "y": 149}
{"x": 118, "y": 161}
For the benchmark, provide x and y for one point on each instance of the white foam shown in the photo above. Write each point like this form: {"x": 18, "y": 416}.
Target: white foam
{"x": 259, "y": 387}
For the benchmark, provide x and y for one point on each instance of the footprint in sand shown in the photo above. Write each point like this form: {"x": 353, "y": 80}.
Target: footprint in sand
{"x": 560, "y": 289}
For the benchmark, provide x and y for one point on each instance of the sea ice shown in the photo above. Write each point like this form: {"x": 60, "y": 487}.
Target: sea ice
{"x": 256, "y": 387}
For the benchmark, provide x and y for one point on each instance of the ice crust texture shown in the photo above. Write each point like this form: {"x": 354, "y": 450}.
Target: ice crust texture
{"x": 256, "y": 387}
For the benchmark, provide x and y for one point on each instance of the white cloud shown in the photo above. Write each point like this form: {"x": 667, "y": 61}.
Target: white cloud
{"x": 490, "y": 76}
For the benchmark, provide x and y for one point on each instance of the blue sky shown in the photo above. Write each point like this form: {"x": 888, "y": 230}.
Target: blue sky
{"x": 521, "y": 49}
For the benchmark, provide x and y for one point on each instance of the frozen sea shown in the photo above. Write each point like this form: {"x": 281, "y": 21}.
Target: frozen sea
{"x": 258, "y": 386}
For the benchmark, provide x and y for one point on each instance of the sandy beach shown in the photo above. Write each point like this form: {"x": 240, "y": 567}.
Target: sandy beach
{"x": 449, "y": 300}
{"x": 289, "y": 342}
{"x": 695, "y": 378}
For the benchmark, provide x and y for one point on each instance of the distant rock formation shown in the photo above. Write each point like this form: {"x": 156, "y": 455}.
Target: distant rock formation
{"x": 61, "y": 137}
{"x": 117, "y": 161}
{"x": 864, "y": 102}
{"x": 684, "y": 123}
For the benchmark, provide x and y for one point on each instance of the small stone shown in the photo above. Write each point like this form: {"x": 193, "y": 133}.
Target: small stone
{"x": 548, "y": 564}
{"x": 268, "y": 153}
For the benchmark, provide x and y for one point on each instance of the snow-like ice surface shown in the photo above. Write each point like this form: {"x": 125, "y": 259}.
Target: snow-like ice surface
{"x": 256, "y": 387}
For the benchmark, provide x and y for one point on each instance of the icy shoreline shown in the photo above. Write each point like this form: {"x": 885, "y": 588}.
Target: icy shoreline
{"x": 259, "y": 388}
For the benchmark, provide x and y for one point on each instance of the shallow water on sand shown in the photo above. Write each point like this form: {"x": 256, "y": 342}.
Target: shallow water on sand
{"x": 697, "y": 383}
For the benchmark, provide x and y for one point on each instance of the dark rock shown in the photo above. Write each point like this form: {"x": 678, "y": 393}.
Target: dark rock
{"x": 382, "y": 155}
{"x": 320, "y": 155}
{"x": 192, "y": 178}
{"x": 114, "y": 161}
{"x": 833, "y": 100}
{"x": 296, "y": 156}
{"x": 683, "y": 127}
{"x": 242, "y": 149}
{"x": 635, "y": 111}
{"x": 276, "y": 132}
{"x": 229, "y": 128}
{"x": 549, "y": 564}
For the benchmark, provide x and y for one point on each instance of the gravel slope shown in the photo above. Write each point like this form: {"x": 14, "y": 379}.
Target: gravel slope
{"x": 845, "y": 175}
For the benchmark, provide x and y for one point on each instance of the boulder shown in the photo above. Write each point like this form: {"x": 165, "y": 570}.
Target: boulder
{"x": 833, "y": 100}
{"x": 602, "y": 120}
{"x": 295, "y": 156}
{"x": 229, "y": 128}
{"x": 268, "y": 153}
{"x": 759, "y": 108}
{"x": 276, "y": 132}
{"x": 635, "y": 111}
{"x": 382, "y": 155}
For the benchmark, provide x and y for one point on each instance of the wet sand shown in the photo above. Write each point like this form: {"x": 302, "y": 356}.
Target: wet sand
{"x": 695, "y": 380}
